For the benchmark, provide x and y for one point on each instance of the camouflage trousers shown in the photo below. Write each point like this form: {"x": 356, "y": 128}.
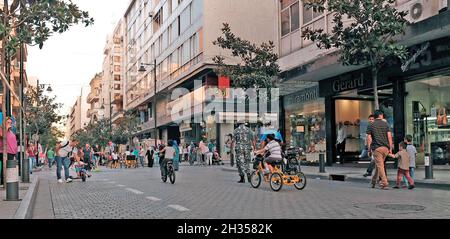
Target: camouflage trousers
{"x": 243, "y": 161}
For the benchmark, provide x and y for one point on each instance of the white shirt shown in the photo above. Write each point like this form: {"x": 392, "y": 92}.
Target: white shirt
{"x": 342, "y": 134}
{"x": 64, "y": 151}
{"x": 274, "y": 148}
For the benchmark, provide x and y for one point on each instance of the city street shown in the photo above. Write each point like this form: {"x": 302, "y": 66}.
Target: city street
{"x": 213, "y": 193}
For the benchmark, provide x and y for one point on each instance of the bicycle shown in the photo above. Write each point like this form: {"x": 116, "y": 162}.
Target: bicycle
{"x": 170, "y": 172}
{"x": 277, "y": 176}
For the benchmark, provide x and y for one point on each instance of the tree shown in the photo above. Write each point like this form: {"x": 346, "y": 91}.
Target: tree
{"x": 41, "y": 111}
{"x": 125, "y": 130}
{"x": 368, "y": 40}
{"x": 259, "y": 68}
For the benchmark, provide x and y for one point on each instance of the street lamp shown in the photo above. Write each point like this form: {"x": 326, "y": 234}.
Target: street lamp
{"x": 143, "y": 69}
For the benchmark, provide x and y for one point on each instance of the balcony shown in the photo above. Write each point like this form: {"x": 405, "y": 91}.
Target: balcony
{"x": 117, "y": 117}
{"x": 118, "y": 99}
{"x": 91, "y": 112}
{"x": 92, "y": 98}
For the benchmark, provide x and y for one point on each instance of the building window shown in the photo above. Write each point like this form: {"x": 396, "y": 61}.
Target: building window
{"x": 290, "y": 17}
{"x": 186, "y": 56}
{"x": 185, "y": 19}
{"x": 197, "y": 8}
{"x": 309, "y": 15}
{"x": 117, "y": 59}
{"x": 117, "y": 77}
{"x": 174, "y": 31}
{"x": 116, "y": 68}
{"x": 165, "y": 40}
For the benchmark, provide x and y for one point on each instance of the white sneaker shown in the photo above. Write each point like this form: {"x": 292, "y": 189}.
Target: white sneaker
{"x": 60, "y": 181}
{"x": 69, "y": 180}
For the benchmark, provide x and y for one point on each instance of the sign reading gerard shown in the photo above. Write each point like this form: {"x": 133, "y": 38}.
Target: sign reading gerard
{"x": 306, "y": 95}
{"x": 341, "y": 85}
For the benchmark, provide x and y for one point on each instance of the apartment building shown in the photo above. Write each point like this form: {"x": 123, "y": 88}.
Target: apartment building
{"x": 178, "y": 35}
{"x": 93, "y": 99}
{"x": 319, "y": 92}
{"x": 112, "y": 91}
{"x": 78, "y": 118}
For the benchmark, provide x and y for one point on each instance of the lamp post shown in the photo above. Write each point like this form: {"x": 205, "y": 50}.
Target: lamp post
{"x": 143, "y": 69}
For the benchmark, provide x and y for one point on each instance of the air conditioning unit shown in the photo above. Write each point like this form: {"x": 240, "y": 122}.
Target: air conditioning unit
{"x": 419, "y": 10}
{"x": 151, "y": 14}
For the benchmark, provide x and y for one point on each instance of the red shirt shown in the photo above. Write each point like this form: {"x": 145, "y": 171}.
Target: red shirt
{"x": 11, "y": 142}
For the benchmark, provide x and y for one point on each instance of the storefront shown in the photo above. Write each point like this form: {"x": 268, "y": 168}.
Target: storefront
{"x": 305, "y": 123}
{"x": 348, "y": 104}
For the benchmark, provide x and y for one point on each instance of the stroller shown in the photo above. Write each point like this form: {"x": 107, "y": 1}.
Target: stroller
{"x": 217, "y": 160}
{"x": 80, "y": 169}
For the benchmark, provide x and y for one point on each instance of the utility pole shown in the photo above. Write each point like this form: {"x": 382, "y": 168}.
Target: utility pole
{"x": 154, "y": 107}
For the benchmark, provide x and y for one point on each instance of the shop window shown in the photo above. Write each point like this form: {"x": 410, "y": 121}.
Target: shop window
{"x": 427, "y": 110}
{"x": 306, "y": 128}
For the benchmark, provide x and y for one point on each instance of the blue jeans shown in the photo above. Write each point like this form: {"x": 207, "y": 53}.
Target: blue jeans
{"x": 32, "y": 163}
{"x": 60, "y": 162}
{"x": 411, "y": 172}
{"x": 50, "y": 162}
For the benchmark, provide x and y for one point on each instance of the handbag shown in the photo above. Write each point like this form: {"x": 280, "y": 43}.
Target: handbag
{"x": 442, "y": 117}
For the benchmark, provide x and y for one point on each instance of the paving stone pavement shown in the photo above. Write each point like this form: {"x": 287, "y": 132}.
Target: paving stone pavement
{"x": 211, "y": 193}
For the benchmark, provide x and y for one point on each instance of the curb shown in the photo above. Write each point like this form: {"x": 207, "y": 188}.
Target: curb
{"x": 326, "y": 176}
{"x": 26, "y": 206}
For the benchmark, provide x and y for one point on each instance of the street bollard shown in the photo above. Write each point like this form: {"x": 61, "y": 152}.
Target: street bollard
{"x": 25, "y": 170}
{"x": 428, "y": 167}
{"x": 322, "y": 163}
{"x": 12, "y": 181}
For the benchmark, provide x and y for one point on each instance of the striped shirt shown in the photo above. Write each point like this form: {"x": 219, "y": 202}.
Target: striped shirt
{"x": 274, "y": 148}
{"x": 379, "y": 132}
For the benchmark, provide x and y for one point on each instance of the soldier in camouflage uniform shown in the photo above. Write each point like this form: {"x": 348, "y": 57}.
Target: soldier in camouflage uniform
{"x": 243, "y": 140}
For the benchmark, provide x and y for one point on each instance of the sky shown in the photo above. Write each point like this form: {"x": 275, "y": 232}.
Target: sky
{"x": 69, "y": 61}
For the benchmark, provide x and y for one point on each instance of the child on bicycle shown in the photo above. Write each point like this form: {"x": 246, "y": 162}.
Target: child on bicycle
{"x": 169, "y": 155}
{"x": 275, "y": 153}
{"x": 79, "y": 165}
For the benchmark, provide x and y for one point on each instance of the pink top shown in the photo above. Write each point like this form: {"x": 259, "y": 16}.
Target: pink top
{"x": 11, "y": 141}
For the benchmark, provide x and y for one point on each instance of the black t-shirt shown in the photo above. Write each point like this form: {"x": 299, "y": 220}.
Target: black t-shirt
{"x": 379, "y": 132}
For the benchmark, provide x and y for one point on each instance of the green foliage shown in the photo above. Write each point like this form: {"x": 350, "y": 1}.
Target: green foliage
{"x": 369, "y": 39}
{"x": 99, "y": 132}
{"x": 41, "y": 113}
{"x": 259, "y": 67}
{"x": 33, "y": 22}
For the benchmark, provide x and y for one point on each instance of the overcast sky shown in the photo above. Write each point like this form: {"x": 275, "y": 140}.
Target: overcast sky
{"x": 70, "y": 60}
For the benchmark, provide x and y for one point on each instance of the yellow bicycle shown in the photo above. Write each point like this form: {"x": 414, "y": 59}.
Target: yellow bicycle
{"x": 277, "y": 176}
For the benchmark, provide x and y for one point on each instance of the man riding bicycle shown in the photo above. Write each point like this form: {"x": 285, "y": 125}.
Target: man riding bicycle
{"x": 275, "y": 156}
{"x": 169, "y": 155}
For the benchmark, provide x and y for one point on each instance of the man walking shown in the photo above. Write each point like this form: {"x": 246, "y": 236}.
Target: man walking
{"x": 63, "y": 151}
{"x": 243, "y": 141}
{"x": 379, "y": 140}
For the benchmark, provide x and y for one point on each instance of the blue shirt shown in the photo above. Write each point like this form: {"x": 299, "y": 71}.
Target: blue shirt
{"x": 272, "y": 131}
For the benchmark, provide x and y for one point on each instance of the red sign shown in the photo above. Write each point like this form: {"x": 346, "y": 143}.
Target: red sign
{"x": 224, "y": 82}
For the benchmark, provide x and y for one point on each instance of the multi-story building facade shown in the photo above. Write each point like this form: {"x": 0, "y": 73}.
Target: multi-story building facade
{"x": 78, "y": 118}
{"x": 94, "y": 99}
{"x": 112, "y": 84}
{"x": 319, "y": 92}
{"x": 178, "y": 35}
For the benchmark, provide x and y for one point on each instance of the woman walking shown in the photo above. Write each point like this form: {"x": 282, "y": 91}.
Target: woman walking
{"x": 11, "y": 146}
{"x": 176, "y": 159}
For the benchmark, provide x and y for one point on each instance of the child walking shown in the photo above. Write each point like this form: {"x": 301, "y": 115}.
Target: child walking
{"x": 403, "y": 166}
{"x": 412, "y": 153}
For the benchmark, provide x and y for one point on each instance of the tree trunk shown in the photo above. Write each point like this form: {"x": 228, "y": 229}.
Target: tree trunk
{"x": 375, "y": 87}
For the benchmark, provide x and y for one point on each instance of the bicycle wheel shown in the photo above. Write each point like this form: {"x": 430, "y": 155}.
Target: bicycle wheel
{"x": 171, "y": 175}
{"x": 164, "y": 179}
{"x": 302, "y": 184}
{"x": 83, "y": 177}
{"x": 276, "y": 182}
{"x": 255, "y": 179}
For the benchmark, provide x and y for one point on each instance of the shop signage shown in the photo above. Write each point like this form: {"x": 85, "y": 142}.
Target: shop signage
{"x": 423, "y": 49}
{"x": 341, "y": 85}
{"x": 306, "y": 95}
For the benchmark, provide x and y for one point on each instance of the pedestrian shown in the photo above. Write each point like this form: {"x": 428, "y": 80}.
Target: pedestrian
{"x": 31, "y": 151}
{"x": 203, "y": 150}
{"x": 186, "y": 152}
{"x": 50, "y": 157}
{"x": 176, "y": 158}
{"x": 64, "y": 151}
{"x": 149, "y": 154}
{"x": 365, "y": 152}
{"x": 96, "y": 156}
{"x": 340, "y": 142}
{"x": 228, "y": 149}
{"x": 141, "y": 155}
{"x": 270, "y": 129}
{"x": 403, "y": 166}
{"x": 11, "y": 146}
{"x": 243, "y": 143}
{"x": 412, "y": 153}
{"x": 379, "y": 141}
{"x": 87, "y": 157}
{"x": 210, "y": 153}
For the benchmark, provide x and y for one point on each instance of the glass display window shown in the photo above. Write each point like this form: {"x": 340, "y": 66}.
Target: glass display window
{"x": 426, "y": 107}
